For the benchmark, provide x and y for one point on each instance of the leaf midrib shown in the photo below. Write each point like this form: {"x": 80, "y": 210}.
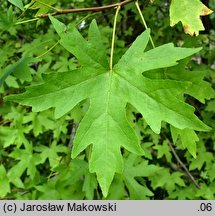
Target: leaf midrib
{"x": 72, "y": 86}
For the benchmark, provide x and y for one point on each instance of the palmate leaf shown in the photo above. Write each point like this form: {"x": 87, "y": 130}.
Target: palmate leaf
{"x": 105, "y": 125}
{"x": 167, "y": 180}
{"x": 51, "y": 153}
{"x": 163, "y": 150}
{"x": 27, "y": 161}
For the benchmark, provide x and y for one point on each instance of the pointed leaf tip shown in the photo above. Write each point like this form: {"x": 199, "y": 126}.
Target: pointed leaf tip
{"x": 58, "y": 26}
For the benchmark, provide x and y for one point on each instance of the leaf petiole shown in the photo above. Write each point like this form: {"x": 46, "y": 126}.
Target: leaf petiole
{"x": 51, "y": 48}
{"x": 113, "y": 37}
{"x": 144, "y": 22}
{"x": 26, "y": 21}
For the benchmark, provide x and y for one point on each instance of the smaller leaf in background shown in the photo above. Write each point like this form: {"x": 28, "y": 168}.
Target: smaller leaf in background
{"x": 198, "y": 88}
{"x": 202, "y": 157}
{"x": 48, "y": 191}
{"x": 77, "y": 177}
{"x": 167, "y": 180}
{"x": 190, "y": 192}
{"x": 147, "y": 149}
{"x": 7, "y": 136}
{"x": 90, "y": 184}
{"x": 12, "y": 136}
{"x": 39, "y": 46}
{"x": 133, "y": 178}
{"x": 117, "y": 189}
{"x": 15, "y": 133}
{"x": 188, "y": 12}
{"x": 186, "y": 193}
{"x": 4, "y": 182}
{"x": 43, "y": 6}
{"x": 64, "y": 64}
{"x": 137, "y": 167}
{"x": 210, "y": 106}
{"x": 14, "y": 174}
{"x": 211, "y": 172}
{"x": 43, "y": 122}
{"x": 163, "y": 150}
{"x": 51, "y": 153}
{"x": 17, "y": 3}
{"x": 20, "y": 70}
{"x": 7, "y": 22}
{"x": 206, "y": 191}
{"x": 6, "y": 52}
{"x": 40, "y": 122}
{"x": 27, "y": 161}
{"x": 11, "y": 82}
{"x": 188, "y": 139}
{"x": 208, "y": 116}
{"x": 69, "y": 182}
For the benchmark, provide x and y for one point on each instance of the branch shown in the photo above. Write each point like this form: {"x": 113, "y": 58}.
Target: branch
{"x": 72, "y": 136}
{"x": 183, "y": 166}
{"x": 99, "y": 3}
{"x": 101, "y": 8}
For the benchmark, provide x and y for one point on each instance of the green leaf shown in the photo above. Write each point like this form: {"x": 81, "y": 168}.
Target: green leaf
{"x": 188, "y": 139}
{"x": 11, "y": 82}
{"x": 71, "y": 181}
{"x": 4, "y": 182}
{"x": 202, "y": 157}
{"x": 15, "y": 173}
{"x": 43, "y": 5}
{"x": 51, "y": 153}
{"x": 211, "y": 172}
{"x": 117, "y": 189}
{"x": 27, "y": 160}
{"x": 105, "y": 125}
{"x": 132, "y": 179}
{"x": 211, "y": 106}
{"x": 164, "y": 150}
{"x": 165, "y": 179}
{"x": 147, "y": 150}
{"x": 40, "y": 122}
{"x": 7, "y": 24}
{"x": 17, "y": 3}
{"x": 186, "y": 193}
{"x": 198, "y": 88}
{"x": 20, "y": 70}
{"x": 7, "y": 136}
{"x": 137, "y": 167}
{"x": 90, "y": 184}
{"x": 206, "y": 191}
{"x": 188, "y": 12}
